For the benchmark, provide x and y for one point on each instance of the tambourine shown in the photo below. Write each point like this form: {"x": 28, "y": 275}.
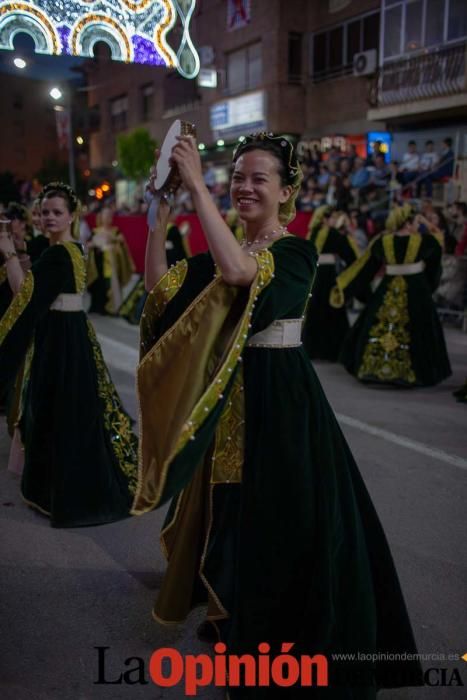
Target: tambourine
{"x": 168, "y": 178}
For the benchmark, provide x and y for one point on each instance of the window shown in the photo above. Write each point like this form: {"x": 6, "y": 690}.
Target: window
{"x": 319, "y": 53}
{"x": 457, "y": 27}
{"x": 147, "y": 101}
{"x": 295, "y": 57}
{"x": 336, "y": 47}
{"x": 245, "y": 68}
{"x": 434, "y": 29}
{"x": 354, "y": 39}
{"x": 333, "y": 50}
{"x": 392, "y": 31}
{"x": 371, "y": 32}
{"x": 119, "y": 112}
{"x": 411, "y": 25}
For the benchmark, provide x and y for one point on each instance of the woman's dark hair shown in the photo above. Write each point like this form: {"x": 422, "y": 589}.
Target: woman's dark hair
{"x": 17, "y": 211}
{"x": 279, "y": 147}
{"x": 61, "y": 189}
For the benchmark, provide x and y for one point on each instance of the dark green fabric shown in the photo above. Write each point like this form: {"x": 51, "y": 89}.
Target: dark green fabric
{"x": 296, "y": 552}
{"x": 71, "y": 468}
{"x": 326, "y": 327}
{"x": 427, "y": 347}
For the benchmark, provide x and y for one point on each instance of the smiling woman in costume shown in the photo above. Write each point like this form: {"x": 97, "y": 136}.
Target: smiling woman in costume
{"x": 80, "y": 453}
{"x": 270, "y": 523}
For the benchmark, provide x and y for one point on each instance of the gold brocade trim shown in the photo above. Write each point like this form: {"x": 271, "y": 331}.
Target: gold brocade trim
{"x": 321, "y": 238}
{"x": 157, "y": 300}
{"x": 413, "y": 248}
{"x": 351, "y": 272}
{"x": 229, "y": 446}
{"x": 387, "y": 355}
{"x": 117, "y": 423}
{"x": 388, "y": 248}
{"x": 79, "y": 268}
{"x": 214, "y": 391}
{"x": 212, "y": 394}
{"x": 17, "y": 306}
{"x": 223, "y": 612}
{"x": 130, "y": 303}
{"x": 353, "y": 244}
{"x": 3, "y": 274}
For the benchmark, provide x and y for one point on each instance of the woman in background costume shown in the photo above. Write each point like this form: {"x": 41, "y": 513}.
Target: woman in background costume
{"x": 398, "y": 338}
{"x": 110, "y": 266}
{"x": 80, "y": 453}
{"x": 270, "y": 523}
{"x": 177, "y": 248}
{"x": 325, "y": 326}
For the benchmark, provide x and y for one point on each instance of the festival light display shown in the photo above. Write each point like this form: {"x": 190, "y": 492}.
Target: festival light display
{"x": 135, "y": 30}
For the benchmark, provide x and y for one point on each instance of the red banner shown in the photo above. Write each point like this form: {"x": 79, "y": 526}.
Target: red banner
{"x": 134, "y": 228}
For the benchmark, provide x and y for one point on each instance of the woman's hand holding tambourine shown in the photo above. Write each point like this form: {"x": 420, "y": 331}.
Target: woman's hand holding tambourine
{"x": 185, "y": 155}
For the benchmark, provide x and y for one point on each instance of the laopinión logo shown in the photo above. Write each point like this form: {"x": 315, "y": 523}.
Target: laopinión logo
{"x": 168, "y": 667}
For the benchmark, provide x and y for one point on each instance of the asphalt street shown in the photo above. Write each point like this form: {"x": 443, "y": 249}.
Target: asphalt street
{"x": 65, "y": 592}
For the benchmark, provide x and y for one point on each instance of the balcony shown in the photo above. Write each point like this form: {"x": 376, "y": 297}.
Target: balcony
{"x": 428, "y": 82}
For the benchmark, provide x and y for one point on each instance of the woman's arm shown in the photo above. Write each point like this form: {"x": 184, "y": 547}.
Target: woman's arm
{"x": 155, "y": 262}
{"x": 237, "y": 266}
{"x": 14, "y": 270}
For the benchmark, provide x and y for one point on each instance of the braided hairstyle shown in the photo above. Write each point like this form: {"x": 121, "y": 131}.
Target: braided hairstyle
{"x": 289, "y": 168}
{"x": 65, "y": 192}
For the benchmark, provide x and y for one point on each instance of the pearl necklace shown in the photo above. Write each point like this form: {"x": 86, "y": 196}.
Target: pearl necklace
{"x": 247, "y": 244}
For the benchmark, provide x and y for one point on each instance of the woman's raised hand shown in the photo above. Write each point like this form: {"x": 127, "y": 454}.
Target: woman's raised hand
{"x": 186, "y": 156}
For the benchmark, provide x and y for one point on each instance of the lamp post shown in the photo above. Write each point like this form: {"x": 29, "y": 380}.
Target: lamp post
{"x": 56, "y": 94}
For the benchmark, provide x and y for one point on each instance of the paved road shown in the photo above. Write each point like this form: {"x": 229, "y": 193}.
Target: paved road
{"x": 66, "y": 592}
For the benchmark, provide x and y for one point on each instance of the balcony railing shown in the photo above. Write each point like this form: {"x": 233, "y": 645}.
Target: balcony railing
{"x": 436, "y": 74}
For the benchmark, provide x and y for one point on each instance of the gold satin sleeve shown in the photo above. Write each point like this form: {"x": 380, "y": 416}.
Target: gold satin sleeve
{"x": 183, "y": 377}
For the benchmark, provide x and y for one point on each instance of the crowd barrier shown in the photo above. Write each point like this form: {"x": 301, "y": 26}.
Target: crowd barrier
{"x": 134, "y": 228}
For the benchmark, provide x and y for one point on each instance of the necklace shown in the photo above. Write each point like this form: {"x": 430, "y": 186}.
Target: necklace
{"x": 282, "y": 231}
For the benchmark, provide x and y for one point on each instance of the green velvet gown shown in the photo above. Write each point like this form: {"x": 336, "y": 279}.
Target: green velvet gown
{"x": 80, "y": 452}
{"x": 35, "y": 247}
{"x": 325, "y": 326}
{"x": 398, "y": 338}
{"x": 270, "y": 523}
{"x": 132, "y": 306}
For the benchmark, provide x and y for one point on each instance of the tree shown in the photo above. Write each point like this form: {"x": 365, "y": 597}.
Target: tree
{"x": 135, "y": 153}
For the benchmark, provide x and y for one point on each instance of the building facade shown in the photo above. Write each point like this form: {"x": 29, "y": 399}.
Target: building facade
{"x": 317, "y": 70}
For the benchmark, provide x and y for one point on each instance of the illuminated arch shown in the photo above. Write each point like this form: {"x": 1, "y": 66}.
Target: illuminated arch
{"x": 93, "y": 28}
{"x": 137, "y": 6}
{"x": 165, "y": 25}
{"x": 21, "y": 17}
{"x": 187, "y": 56}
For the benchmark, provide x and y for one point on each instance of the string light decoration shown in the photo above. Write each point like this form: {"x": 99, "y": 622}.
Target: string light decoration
{"x": 135, "y": 30}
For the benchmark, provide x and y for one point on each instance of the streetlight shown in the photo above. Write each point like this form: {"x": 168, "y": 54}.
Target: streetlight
{"x": 56, "y": 94}
{"x": 19, "y": 62}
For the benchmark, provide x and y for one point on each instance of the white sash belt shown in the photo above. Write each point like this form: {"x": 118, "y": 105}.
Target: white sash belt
{"x": 68, "y": 302}
{"x": 327, "y": 259}
{"x": 410, "y": 269}
{"x": 280, "y": 334}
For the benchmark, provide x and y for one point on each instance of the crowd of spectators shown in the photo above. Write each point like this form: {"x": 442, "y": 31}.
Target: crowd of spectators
{"x": 346, "y": 180}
